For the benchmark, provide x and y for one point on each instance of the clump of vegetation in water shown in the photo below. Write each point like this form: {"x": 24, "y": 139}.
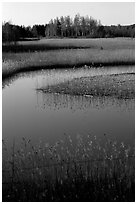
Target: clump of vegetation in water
{"x": 70, "y": 170}
{"x": 121, "y": 86}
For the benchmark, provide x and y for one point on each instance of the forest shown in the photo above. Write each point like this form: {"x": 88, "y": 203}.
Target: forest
{"x": 66, "y": 27}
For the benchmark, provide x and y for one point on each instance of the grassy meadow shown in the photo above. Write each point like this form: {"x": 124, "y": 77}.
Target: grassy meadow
{"x": 80, "y": 170}
{"x": 63, "y": 53}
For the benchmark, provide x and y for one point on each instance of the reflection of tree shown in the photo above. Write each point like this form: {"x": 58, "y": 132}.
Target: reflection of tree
{"x": 56, "y": 101}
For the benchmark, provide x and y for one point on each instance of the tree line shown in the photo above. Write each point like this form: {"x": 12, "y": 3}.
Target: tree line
{"x": 78, "y": 27}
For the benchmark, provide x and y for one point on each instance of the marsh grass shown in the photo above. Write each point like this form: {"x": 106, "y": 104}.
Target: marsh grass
{"x": 53, "y": 44}
{"x": 82, "y": 169}
{"x": 121, "y": 86}
{"x": 39, "y": 47}
{"x": 19, "y": 62}
{"x": 63, "y": 53}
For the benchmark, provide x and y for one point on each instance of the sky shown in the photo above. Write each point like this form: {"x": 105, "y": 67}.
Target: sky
{"x": 30, "y": 13}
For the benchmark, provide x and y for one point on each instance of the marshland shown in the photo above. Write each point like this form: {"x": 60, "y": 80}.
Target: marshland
{"x": 60, "y": 53}
{"x": 69, "y": 118}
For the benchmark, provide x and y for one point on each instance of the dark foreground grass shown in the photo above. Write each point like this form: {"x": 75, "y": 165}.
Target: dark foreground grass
{"x": 80, "y": 170}
{"x": 121, "y": 86}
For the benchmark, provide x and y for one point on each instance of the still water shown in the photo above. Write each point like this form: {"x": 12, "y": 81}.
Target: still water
{"x": 49, "y": 117}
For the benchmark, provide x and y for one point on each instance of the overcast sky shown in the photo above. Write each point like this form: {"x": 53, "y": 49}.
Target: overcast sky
{"x": 24, "y": 13}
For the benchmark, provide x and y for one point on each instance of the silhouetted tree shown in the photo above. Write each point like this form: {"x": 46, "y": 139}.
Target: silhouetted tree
{"x": 62, "y": 27}
{"x": 58, "y": 27}
{"x": 77, "y": 25}
{"x": 7, "y": 32}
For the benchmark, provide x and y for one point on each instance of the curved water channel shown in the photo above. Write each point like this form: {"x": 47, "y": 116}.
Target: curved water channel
{"x": 48, "y": 117}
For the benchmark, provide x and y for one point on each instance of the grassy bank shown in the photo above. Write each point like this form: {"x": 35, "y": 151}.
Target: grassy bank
{"x": 81, "y": 170}
{"x": 120, "y": 86}
{"x": 102, "y": 52}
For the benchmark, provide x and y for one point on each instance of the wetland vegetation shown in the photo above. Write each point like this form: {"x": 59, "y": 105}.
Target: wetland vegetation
{"x": 102, "y": 52}
{"x": 69, "y": 167}
{"x": 69, "y": 171}
{"x": 116, "y": 85}
{"x": 80, "y": 167}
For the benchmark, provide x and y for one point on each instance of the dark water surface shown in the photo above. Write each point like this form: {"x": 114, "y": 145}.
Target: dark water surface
{"x": 49, "y": 117}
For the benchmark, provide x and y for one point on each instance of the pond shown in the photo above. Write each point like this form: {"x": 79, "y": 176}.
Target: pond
{"x": 48, "y": 117}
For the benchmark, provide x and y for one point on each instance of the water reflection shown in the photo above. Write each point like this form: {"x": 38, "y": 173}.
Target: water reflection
{"x": 46, "y": 117}
{"x": 57, "y": 101}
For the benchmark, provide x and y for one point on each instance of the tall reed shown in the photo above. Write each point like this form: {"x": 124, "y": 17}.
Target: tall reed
{"x": 70, "y": 170}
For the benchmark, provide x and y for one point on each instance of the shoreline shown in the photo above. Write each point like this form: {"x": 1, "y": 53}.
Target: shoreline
{"x": 10, "y": 73}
